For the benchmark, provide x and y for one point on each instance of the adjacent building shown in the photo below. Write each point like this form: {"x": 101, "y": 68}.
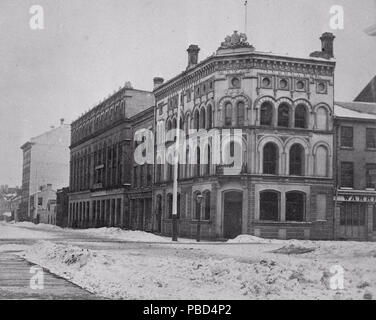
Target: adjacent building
{"x": 45, "y": 161}
{"x": 101, "y": 160}
{"x": 43, "y": 204}
{"x": 355, "y": 164}
{"x": 283, "y": 107}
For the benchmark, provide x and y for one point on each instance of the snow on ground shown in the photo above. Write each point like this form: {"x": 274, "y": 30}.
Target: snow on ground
{"x": 190, "y": 273}
{"x": 146, "y": 266}
{"x": 110, "y": 233}
{"x": 8, "y": 231}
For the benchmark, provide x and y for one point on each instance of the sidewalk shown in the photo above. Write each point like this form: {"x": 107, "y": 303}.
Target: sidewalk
{"x": 15, "y": 282}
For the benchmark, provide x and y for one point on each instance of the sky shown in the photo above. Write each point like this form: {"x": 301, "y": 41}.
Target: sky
{"x": 89, "y": 48}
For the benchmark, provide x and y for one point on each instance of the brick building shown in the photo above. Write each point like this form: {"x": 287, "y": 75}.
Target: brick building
{"x": 101, "y": 160}
{"x": 355, "y": 163}
{"x": 45, "y": 161}
{"x": 283, "y": 107}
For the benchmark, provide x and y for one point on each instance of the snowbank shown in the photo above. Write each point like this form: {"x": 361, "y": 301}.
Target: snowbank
{"x": 246, "y": 238}
{"x": 260, "y": 274}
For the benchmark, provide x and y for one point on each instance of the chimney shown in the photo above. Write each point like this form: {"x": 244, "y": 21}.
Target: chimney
{"x": 193, "y": 51}
{"x": 327, "y": 40}
{"x": 62, "y": 121}
{"x": 157, "y": 82}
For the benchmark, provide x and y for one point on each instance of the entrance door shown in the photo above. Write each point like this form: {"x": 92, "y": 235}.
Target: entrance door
{"x": 233, "y": 208}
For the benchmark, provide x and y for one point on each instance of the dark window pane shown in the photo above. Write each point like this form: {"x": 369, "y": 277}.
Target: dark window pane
{"x": 300, "y": 117}
{"x": 371, "y": 138}
{"x": 270, "y": 156}
{"x": 295, "y": 206}
{"x": 283, "y": 116}
{"x": 266, "y": 117}
{"x": 347, "y": 174}
{"x": 269, "y": 206}
{"x": 371, "y": 175}
{"x": 347, "y": 137}
{"x": 296, "y": 160}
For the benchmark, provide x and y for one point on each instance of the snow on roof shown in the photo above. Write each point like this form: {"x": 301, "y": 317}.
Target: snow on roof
{"x": 354, "y": 110}
{"x": 7, "y": 214}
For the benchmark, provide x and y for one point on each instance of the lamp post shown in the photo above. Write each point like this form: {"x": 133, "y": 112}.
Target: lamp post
{"x": 199, "y": 201}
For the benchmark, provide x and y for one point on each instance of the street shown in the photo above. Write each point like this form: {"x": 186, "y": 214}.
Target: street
{"x": 118, "y": 264}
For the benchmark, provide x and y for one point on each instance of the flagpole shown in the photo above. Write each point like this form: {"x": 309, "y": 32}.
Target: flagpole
{"x": 245, "y": 17}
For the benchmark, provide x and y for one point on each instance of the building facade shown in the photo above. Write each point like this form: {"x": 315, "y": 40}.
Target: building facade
{"x": 62, "y": 207}
{"x": 283, "y": 107}
{"x": 140, "y": 195}
{"x": 45, "y": 161}
{"x": 102, "y": 160}
{"x": 355, "y": 200}
{"x": 42, "y": 205}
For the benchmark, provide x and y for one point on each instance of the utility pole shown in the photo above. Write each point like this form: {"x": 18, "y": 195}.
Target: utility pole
{"x": 176, "y": 173}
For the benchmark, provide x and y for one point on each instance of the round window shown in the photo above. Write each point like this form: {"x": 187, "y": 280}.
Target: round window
{"x": 235, "y": 82}
{"x": 283, "y": 84}
{"x": 321, "y": 87}
{"x": 300, "y": 85}
{"x": 266, "y": 82}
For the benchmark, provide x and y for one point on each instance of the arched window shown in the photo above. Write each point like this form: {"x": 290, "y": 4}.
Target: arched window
{"x": 321, "y": 119}
{"x": 197, "y": 120}
{"x": 169, "y": 125}
{"x": 197, "y": 207}
{"x": 207, "y": 206}
{"x": 202, "y": 119}
{"x": 187, "y": 123}
{"x": 284, "y": 115}
{"x": 297, "y": 160}
{"x": 321, "y": 160}
{"x": 270, "y": 159}
{"x": 187, "y": 163}
{"x": 240, "y": 113}
{"x": 209, "y": 116}
{"x": 208, "y": 162}
{"x": 301, "y": 117}
{"x": 198, "y": 164}
{"x": 169, "y": 205}
{"x": 295, "y": 206}
{"x": 269, "y": 206}
{"x": 266, "y": 114}
{"x": 228, "y": 115}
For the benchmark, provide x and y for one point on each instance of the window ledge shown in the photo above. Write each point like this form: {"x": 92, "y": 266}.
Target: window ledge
{"x": 347, "y": 148}
{"x": 283, "y": 222}
{"x": 371, "y": 149}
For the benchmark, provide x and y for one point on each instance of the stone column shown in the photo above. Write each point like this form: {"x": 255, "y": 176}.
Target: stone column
{"x": 283, "y": 206}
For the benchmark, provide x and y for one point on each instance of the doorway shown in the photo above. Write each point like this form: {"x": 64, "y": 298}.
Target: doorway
{"x": 232, "y": 210}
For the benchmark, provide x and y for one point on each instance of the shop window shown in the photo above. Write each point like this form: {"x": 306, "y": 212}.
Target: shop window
{"x": 353, "y": 214}
{"x": 295, "y": 206}
{"x": 269, "y": 206}
{"x": 346, "y": 137}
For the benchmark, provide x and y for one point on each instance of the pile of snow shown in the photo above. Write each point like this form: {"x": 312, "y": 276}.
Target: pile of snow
{"x": 246, "y": 238}
{"x": 11, "y": 232}
{"x": 175, "y": 273}
{"x": 127, "y": 235}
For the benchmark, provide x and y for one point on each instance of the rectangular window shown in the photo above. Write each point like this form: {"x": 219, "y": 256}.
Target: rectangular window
{"x": 371, "y": 138}
{"x": 347, "y": 174}
{"x": 353, "y": 214}
{"x": 40, "y": 201}
{"x": 371, "y": 176}
{"x": 347, "y": 137}
{"x": 321, "y": 206}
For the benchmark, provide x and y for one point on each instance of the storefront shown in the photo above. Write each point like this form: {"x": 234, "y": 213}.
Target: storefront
{"x": 355, "y": 215}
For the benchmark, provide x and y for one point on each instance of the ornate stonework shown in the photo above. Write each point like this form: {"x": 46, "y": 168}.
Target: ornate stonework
{"x": 236, "y": 40}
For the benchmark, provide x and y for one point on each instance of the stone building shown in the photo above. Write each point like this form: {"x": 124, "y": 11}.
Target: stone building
{"x": 284, "y": 108}
{"x": 101, "y": 160}
{"x": 355, "y": 163}
{"x": 45, "y": 161}
{"x": 140, "y": 194}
